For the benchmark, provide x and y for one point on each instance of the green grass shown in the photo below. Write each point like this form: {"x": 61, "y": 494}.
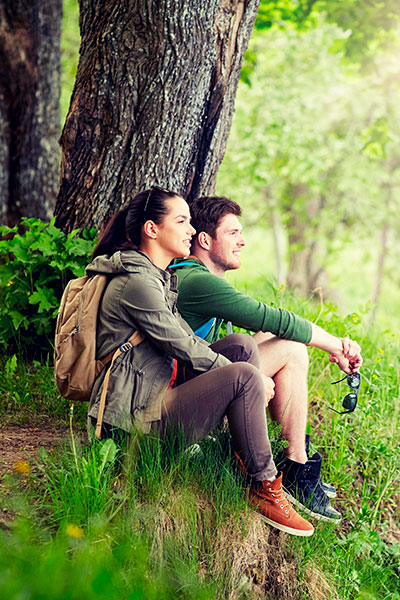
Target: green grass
{"x": 158, "y": 520}
{"x": 28, "y": 394}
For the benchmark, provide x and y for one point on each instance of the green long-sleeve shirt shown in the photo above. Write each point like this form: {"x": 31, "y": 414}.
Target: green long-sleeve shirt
{"x": 203, "y": 295}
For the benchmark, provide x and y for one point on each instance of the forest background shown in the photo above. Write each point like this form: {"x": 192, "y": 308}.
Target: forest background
{"x": 313, "y": 157}
{"x": 313, "y": 160}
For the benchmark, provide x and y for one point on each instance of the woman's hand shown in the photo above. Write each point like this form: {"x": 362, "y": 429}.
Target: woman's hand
{"x": 349, "y": 358}
{"x": 269, "y": 386}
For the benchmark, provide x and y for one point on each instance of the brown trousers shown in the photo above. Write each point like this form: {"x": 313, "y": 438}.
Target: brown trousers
{"x": 197, "y": 404}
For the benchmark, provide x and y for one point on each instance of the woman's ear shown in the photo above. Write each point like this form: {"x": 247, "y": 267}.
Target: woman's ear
{"x": 150, "y": 229}
{"x": 204, "y": 240}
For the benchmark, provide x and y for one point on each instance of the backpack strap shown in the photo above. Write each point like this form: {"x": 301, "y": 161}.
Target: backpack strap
{"x": 134, "y": 340}
{"x": 182, "y": 264}
{"x": 205, "y": 329}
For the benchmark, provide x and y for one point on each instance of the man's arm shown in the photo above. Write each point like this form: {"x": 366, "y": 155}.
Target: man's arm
{"x": 344, "y": 352}
{"x": 204, "y": 295}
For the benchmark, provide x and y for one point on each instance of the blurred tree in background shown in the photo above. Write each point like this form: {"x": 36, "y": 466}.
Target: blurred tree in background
{"x": 314, "y": 151}
{"x": 29, "y": 107}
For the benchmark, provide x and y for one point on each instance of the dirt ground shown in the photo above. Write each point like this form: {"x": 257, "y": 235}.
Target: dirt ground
{"x": 22, "y": 442}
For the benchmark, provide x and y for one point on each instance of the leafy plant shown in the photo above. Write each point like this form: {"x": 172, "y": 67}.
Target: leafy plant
{"x": 35, "y": 265}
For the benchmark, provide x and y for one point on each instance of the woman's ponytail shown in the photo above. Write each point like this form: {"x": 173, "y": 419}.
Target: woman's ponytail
{"x": 113, "y": 237}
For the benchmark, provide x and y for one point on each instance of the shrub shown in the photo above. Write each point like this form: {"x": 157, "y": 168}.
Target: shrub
{"x": 35, "y": 266}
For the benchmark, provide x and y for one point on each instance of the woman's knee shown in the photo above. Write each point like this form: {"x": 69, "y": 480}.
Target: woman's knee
{"x": 248, "y": 376}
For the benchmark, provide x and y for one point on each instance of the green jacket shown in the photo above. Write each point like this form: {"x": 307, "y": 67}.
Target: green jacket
{"x": 203, "y": 295}
{"x": 141, "y": 296}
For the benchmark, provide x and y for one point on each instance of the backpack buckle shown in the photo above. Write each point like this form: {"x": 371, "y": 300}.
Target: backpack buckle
{"x": 126, "y": 347}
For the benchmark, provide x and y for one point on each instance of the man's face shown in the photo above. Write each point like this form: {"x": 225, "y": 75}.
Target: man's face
{"x": 226, "y": 246}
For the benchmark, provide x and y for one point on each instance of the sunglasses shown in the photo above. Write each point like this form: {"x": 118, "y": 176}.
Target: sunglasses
{"x": 154, "y": 188}
{"x": 349, "y": 402}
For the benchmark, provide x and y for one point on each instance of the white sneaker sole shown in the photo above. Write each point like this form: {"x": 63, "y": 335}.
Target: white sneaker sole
{"x": 317, "y": 516}
{"x": 331, "y": 494}
{"x": 290, "y": 530}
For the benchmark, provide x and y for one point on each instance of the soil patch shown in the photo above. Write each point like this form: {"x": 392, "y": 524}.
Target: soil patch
{"x": 22, "y": 442}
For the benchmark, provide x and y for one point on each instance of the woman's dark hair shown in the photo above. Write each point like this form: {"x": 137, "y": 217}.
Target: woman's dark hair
{"x": 124, "y": 230}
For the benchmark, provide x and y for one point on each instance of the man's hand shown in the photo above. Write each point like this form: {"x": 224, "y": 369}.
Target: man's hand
{"x": 349, "y": 358}
{"x": 269, "y": 386}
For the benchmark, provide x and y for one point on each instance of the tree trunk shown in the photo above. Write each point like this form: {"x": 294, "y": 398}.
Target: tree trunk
{"x": 29, "y": 114}
{"x": 152, "y": 102}
{"x": 305, "y": 270}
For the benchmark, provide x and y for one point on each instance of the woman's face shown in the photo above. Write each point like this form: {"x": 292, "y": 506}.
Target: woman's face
{"x": 175, "y": 232}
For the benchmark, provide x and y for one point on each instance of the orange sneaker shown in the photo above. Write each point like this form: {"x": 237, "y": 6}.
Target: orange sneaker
{"x": 274, "y": 508}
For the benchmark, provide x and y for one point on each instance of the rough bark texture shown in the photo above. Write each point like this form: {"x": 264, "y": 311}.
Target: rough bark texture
{"x": 152, "y": 103}
{"x": 29, "y": 115}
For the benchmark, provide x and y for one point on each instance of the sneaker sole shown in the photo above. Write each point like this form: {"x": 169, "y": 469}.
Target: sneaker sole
{"x": 290, "y": 530}
{"x": 309, "y": 511}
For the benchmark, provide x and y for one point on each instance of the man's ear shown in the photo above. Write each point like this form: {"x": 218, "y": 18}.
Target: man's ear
{"x": 150, "y": 229}
{"x": 204, "y": 240}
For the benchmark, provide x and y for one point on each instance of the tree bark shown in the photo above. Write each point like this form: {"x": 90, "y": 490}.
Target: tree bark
{"x": 29, "y": 113}
{"x": 152, "y": 102}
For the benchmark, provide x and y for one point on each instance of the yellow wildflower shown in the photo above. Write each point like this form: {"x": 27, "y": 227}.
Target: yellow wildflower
{"x": 280, "y": 288}
{"x": 9, "y": 283}
{"x": 75, "y": 531}
{"x": 380, "y": 351}
{"x": 22, "y": 467}
{"x": 374, "y": 377}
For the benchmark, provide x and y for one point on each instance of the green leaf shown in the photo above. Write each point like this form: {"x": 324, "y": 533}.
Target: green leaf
{"x": 11, "y": 365}
{"x": 108, "y": 451}
{"x": 44, "y": 297}
{"x": 17, "y": 318}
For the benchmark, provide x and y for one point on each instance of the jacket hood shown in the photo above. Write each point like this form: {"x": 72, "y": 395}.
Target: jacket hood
{"x": 122, "y": 262}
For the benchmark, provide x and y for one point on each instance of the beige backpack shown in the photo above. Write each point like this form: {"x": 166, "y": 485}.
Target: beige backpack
{"x": 75, "y": 363}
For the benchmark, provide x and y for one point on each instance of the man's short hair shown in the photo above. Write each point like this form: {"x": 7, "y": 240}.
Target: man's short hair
{"x": 208, "y": 211}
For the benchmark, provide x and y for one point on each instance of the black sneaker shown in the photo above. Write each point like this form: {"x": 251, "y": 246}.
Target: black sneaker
{"x": 302, "y": 485}
{"x": 329, "y": 489}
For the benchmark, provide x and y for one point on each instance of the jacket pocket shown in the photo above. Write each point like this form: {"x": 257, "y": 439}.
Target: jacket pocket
{"x": 126, "y": 391}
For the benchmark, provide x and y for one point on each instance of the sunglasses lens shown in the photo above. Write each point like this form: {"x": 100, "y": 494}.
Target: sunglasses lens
{"x": 353, "y": 380}
{"x": 350, "y": 401}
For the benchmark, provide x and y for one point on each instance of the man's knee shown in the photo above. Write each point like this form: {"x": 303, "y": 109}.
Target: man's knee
{"x": 244, "y": 348}
{"x": 299, "y": 355}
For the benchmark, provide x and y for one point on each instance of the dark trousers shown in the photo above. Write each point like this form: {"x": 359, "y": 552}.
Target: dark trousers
{"x": 197, "y": 404}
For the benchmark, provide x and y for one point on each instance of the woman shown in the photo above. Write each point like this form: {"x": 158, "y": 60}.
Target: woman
{"x": 149, "y": 384}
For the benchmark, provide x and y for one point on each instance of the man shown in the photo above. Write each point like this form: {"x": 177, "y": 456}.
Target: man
{"x": 206, "y": 300}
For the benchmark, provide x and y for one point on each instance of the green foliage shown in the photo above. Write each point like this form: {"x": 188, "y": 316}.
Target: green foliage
{"x": 34, "y": 268}
{"x": 70, "y": 40}
{"x": 104, "y": 565}
{"x": 158, "y": 514}
{"x": 369, "y": 25}
{"x": 275, "y": 12}
{"x": 77, "y": 484}
{"x": 313, "y": 159}
{"x": 28, "y": 393}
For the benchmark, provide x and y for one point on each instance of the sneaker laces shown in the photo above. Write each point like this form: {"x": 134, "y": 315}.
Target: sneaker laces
{"x": 278, "y": 497}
